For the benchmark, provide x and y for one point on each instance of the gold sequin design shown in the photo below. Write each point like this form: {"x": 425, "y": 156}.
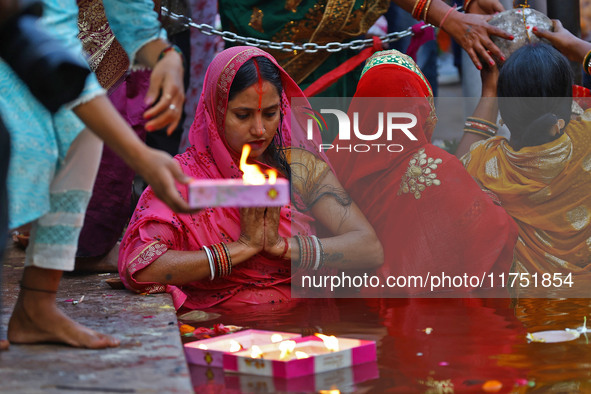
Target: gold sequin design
{"x": 492, "y": 168}
{"x": 420, "y": 174}
{"x": 104, "y": 54}
{"x": 541, "y": 195}
{"x": 326, "y": 21}
{"x": 292, "y": 5}
{"x": 555, "y": 260}
{"x": 586, "y": 163}
{"x": 578, "y": 217}
{"x": 395, "y": 57}
{"x": 256, "y": 19}
{"x": 543, "y": 238}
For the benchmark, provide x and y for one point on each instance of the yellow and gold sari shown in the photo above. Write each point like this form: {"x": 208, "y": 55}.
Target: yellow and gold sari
{"x": 547, "y": 190}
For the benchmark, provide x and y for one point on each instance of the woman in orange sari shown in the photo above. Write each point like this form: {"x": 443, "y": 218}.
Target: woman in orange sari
{"x": 429, "y": 214}
{"x": 542, "y": 173}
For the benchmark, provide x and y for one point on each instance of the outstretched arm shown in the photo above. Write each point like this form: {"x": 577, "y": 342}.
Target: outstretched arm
{"x": 487, "y": 108}
{"x": 159, "y": 169}
{"x": 471, "y": 31}
{"x": 571, "y": 46}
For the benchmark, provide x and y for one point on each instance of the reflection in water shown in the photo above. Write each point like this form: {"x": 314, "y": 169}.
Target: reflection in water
{"x": 472, "y": 341}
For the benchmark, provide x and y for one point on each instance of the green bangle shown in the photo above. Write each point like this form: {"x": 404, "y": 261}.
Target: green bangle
{"x": 172, "y": 48}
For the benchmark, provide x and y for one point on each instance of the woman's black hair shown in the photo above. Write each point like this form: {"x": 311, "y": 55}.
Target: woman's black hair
{"x": 246, "y": 76}
{"x": 535, "y": 90}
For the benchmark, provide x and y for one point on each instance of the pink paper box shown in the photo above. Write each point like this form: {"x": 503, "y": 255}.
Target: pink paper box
{"x": 205, "y": 193}
{"x": 351, "y": 352}
{"x": 210, "y": 351}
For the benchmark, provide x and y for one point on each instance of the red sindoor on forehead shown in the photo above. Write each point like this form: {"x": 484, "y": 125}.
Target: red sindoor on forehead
{"x": 259, "y": 87}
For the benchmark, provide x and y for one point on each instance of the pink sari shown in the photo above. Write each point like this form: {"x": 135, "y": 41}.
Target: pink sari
{"x": 154, "y": 228}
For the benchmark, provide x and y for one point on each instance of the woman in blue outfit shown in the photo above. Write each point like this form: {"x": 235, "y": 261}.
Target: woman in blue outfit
{"x": 55, "y": 158}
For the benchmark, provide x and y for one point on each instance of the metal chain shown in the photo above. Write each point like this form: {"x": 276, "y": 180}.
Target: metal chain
{"x": 309, "y": 47}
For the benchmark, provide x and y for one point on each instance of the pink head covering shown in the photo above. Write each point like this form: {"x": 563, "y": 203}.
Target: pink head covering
{"x": 154, "y": 228}
{"x": 207, "y": 131}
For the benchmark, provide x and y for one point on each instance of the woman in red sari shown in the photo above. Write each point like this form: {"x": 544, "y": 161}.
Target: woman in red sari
{"x": 245, "y": 100}
{"x": 429, "y": 214}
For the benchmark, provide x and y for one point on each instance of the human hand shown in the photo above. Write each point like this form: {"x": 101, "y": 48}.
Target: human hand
{"x": 160, "y": 171}
{"x": 472, "y": 32}
{"x": 274, "y": 244}
{"x": 166, "y": 82}
{"x": 252, "y": 227}
{"x": 490, "y": 77}
{"x": 571, "y": 46}
{"x": 485, "y": 7}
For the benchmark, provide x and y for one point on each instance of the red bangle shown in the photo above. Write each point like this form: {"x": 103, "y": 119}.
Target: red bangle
{"x": 173, "y": 48}
{"x": 285, "y": 248}
{"x": 453, "y": 7}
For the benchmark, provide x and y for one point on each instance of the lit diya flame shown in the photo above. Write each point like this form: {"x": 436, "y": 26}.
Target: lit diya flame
{"x": 331, "y": 342}
{"x": 256, "y": 352}
{"x": 235, "y": 346}
{"x": 300, "y": 355}
{"x": 252, "y": 173}
{"x": 276, "y": 338}
{"x": 286, "y": 348}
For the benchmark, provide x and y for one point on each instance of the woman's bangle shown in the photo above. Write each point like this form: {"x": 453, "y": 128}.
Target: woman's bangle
{"x": 211, "y": 264}
{"x": 481, "y": 127}
{"x": 285, "y": 248}
{"x": 587, "y": 63}
{"x": 418, "y": 9}
{"x": 453, "y": 7}
{"x": 172, "y": 48}
{"x": 426, "y": 10}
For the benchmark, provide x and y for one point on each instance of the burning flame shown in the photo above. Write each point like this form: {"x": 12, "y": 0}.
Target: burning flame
{"x": 331, "y": 342}
{"x": 286, "y": 348}
{"x": 332, "y": 390}
{"x": 300, "y": 355}
{"x": 276, "y": 338}
{"x": 256, "y": 352}
{"x": 252, "y": 173}
{"x": 235, "y": 346}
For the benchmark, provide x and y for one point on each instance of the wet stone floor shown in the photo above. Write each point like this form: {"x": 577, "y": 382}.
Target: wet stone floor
{"x": 149, "y": 360}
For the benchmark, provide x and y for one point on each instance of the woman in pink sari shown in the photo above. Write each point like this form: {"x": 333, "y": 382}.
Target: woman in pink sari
{"x": 239, "y": 257}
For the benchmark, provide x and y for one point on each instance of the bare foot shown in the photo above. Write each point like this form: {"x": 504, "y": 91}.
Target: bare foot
{"x": 3, "y": 344}
{"x": 38, "y": 321}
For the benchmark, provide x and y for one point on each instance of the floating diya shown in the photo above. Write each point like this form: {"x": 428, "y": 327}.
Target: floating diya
{"x": 255, "y": 189}
{"x": 301, "y": 356}
{"x": 210, "y": 351}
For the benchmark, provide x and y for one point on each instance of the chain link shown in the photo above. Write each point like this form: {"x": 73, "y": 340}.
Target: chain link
{"x": 309, "y": 47}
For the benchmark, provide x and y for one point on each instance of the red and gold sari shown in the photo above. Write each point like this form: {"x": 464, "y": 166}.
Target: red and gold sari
{"x": 427, "y": 211}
